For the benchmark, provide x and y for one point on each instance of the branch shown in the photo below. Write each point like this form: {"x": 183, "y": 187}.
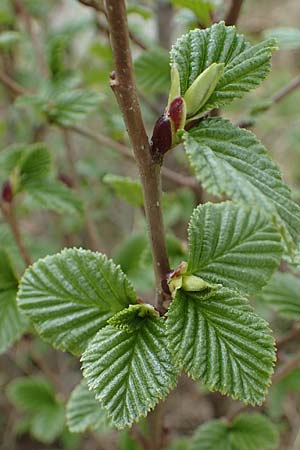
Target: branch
{"x": 233, "y": 12}
{"x": 89, "y": 225}
{"x": 93, "y": 4}
{"x": 125, "y": 91}
{"x": 15, "y": 88}
{"x": 276, "y": 98}
{"x": 9, "y": 215}
{"x": 289, "y": 337}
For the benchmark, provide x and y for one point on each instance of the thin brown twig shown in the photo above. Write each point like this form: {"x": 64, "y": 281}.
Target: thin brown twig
{"x": 14, "y": 87}
{"x": 10, "y": 217}
{"x": 124, "y": 88}
{"x": 276, "y": 98}
{"x": 89, "y": 225}
{"x": 233, "y": 12}
{"x": 289, "y": 337}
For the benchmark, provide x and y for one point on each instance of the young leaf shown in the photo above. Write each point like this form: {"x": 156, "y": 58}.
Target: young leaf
{"x": 201, "y": 8}
{"x": 223, "y": 243}
{"x": 46, "y": 414}
{"x": 252, "y": 431}
{"x": 212, "y": 435}
{"x": 126, "y": 188}
{"x": 12, "y": 323}
{"x": 54, "y": 196}
{"x": 245, "y": 66}
{"x": 283, "y": 294}
{"x": 230, "y": 160}
{"x": 248, "y": 431}
{"x": 217, "y": 338}
{"x": 128, "y": 365}
{"x": 71, "y": 295}
{"x": 84, "y": 411}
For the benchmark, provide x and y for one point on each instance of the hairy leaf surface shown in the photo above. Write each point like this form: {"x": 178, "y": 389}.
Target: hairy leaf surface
{"x": 230, "y": 160}
{"x": 249, "y": 431}
{"x": 233, "y": 245}
{"x": 71, "y": 295}
{"x": 129, "y": 367}
{"x": 219, "y": 339}
{"x": 246, "y": 66}
{"x": 84, "y": 411}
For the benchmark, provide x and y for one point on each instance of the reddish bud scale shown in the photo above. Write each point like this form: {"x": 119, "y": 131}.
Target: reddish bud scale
{"x": 7, "y": 192}
{"x": 161, "y": 140}
{"x": 65, "y": 179}
{"x": 176, "y": 112}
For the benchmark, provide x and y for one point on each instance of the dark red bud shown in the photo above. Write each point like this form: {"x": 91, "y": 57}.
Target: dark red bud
{"x": 7, "y": 192}
{"x": 161, "y": 140}
{"x": 66, "y": 180}
{"x": 176, "y": 112}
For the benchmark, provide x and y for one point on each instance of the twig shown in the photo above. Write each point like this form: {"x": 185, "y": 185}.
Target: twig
{"x": 289, "y": 337}
{"x": 276, "y": 98}
{"x": 9, "y": 215}
{"x": 93, "y": 4}
{"x": 233, "y": 12}
{"x": 286, "y": 90}
{"x": 125, "y": 91}
{"x": 15, "y": 88}
{"x": 132, "y": 36}
{"x": 90, "y": 227}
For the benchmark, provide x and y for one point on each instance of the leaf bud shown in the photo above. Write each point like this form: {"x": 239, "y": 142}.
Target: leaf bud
{"x": 161, "y": 140}
{"x": 175, "y": 84}
{"x": 7, "y": 192}
{"x": 202, "y": 88}
{"x": 177, "y": 114}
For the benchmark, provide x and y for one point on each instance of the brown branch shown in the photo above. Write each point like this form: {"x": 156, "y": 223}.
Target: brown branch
{"x": 286, "y": 90}
{"x": 10, "y": 217}
{"x": 125, "y": 91}
{"x": 93, "y": 4}
{"x": 233, "y": 12}
{"x": 288, "y": 338}
{"x": 276, "y": 98}
{"x": 15, "y": 88}
{"x": 89, "y": 225}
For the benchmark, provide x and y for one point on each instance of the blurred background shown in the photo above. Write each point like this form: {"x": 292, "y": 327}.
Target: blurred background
{"x": 55, "y": 62}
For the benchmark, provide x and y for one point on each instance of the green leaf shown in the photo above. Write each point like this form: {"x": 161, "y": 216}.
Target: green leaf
{"x": 45, "y": 413}
{"x": 12, "y": 323}
{"x": 288, "y": 38}
{"x": 212, "y": 435}
{"x": 28, "y": 163}
{"x": 153, "y": 71}
{"x": 201, "y": 9}
{"x": 126, "y": 188}
{"x": 48, "y": 424}
{"x": 130, "y": 369}
{"x": 252, "y": 431}
{"x": 230, "y": 160}
{"x": 246, "y": 66}
{"x": 223, "y": 243}
{"x": 55, "y": 196}
{"x": 71, "y": 295}
{"x": 248, "y": 431}
{"x": 282, "y": 293}
{"x": 218, "y": 338}
{"x": 85, "y": 412}
{"x": 30, "y": 393}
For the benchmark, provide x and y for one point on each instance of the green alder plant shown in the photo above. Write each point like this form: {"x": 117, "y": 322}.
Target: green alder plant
{"x": 201, "y": 321}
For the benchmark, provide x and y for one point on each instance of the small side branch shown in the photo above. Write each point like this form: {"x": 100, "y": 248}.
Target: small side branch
{"x": 233, "y": 12}
{"x": 9, "y": 215}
